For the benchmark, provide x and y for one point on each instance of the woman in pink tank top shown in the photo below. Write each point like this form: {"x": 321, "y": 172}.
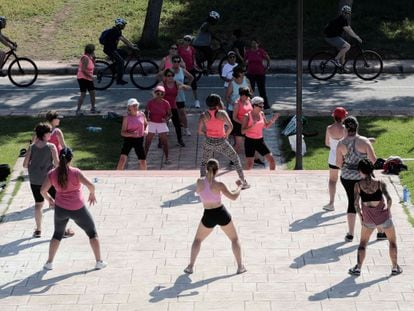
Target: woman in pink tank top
{"x": 56, "y": 137}
{"x": 134, "y": 128}
{"x": 166, "y": 62}
{"x": 85, "y": 78}
{"x": 210, "y": 191}
{"x": 69, "y": 204}
{"x": 374, "y": 213}
{"x": 241, "y": 107}
{"x": 253, "y": 124}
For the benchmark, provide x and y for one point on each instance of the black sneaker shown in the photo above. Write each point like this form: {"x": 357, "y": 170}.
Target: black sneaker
{"x": 259, "y": 162}
{"x": 381, "y": 236}
{"x": 121, "y": 82}
{"x": 349, "y": 237}
{"x": 181, "y": 143}
{"x": 355, "y": 271}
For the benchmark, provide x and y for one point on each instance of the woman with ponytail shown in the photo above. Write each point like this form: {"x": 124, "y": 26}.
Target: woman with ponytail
{"x": 370, "y": 205}
{"x": 69, "y": 204}
{"x": 215, "y": 213}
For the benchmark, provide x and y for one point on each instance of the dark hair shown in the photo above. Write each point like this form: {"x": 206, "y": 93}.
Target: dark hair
{"x": 41, "y": 129}
{"x": 212, "y": 168}
{"x": 244, "y": 91}
{"x": 167, "y": 71}
{"x": 51, "y": 115}
{"x": 351, "y": 124}
{"x": 176, "y": 57}
{"x": 366, "y": 167}
{"x": 89, "y": 48}
{"x": 213, "y": 101}
{"x": 65, "y": 157}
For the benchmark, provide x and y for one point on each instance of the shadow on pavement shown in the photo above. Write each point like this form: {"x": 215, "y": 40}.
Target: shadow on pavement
{"x": 13, "y": 248}
{"x": 313, "y": 221}
{"x": 188, "y": 197}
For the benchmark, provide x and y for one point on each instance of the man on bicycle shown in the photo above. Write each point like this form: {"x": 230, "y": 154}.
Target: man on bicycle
{"x": 202, "y": 41}
{"x": 110, "y": 43}
{"x": 333, "y": 34}
{"x": 6, "y": 41}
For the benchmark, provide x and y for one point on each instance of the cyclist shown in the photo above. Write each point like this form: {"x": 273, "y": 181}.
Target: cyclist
{"x": 6, "y": 41}
{"x": 110, "y": 43}
{"x": 333, "y": 34}
{"x": 202, "y": 42}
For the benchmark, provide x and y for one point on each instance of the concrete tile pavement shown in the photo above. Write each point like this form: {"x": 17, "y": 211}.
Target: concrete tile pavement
{"x": 294, "y": 252}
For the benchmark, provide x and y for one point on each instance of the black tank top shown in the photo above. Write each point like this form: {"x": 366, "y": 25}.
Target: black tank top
{"x": 376, "y": 196}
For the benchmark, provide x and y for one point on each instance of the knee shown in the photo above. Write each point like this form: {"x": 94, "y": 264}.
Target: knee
{"x": 196, "y": 242}
{"x": 346, "y": 47}
{"x": 92, "y": 234}
{"x": 361, "y": 247}
{"x": 235, "y": 241}
{"x": 58, "y": 235}
{"x": 393, "y": 245}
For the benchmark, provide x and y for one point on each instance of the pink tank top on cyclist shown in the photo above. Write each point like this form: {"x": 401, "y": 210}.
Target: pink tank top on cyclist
{"x": 167, "y": 62}
{"x": 171, "y": 95}
{"x": 54, "y": 140}
{"x": 157, "y": 110}
{"x": 214, "y": 126}
{"x": 187, "y": 54}
{"x": 208, "y": 196}
{"x": 243, "y": 108}
{"x": 89, "y": 68}
{"x": 256, "y": 131}
{"x": 71, "y": 197}
{"x": 135, "y": 124}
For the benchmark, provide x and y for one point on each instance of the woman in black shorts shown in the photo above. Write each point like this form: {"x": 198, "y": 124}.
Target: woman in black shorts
{"x": 85, "y": 78}
{"x": 215, "y": 213}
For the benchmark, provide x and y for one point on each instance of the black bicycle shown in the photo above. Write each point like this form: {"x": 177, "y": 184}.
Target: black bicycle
{"x": 143, "y": 72}
{"x": 22, "y": 71}
{"x": 367, "y": 64}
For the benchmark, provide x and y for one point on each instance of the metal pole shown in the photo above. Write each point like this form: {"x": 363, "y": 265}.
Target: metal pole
{"x": 299, "y": 60}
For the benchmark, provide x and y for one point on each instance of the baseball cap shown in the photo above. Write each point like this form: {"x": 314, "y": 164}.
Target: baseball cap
{"x": 53, "y": 114}
{"x": 188, "y": 37}
{"x": 257, "y": 100}
{"x": 133, "y": 102}
{"x": 159, "y": 88}
{"x": 231, "y": 53}
{"x": 339, "y": 112}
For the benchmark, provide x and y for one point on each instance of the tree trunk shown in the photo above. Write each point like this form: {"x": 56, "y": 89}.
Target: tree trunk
{"x": 149, "y": 37}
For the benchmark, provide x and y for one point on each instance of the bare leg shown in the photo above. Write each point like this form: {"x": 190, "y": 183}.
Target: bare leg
{"x": 38, "y": 215}
{"x": 201, "y": 234}
{"x": 231, "y": 233}
{"x": 148, "y": 141}
{"x": 92, "y": 95}
{"x": 390, "y": 232}
{"x": 238, "y": 144}
{"x": 183, "y": 117}
{"x": 96, "y": 248}
{"x": 342, "y": 52}
{"x": 80, "y": 100}
{"x": 53, "y": 247}
{"x": 333, "y": 179}
{"x": 195, "y": 95}
{"x": 351, "y": 223}
{"x": 249, "y": 163}
{"x": 365, "y": 234}
{"x": 122, "y": 161}
{"x": 271, "y": 160}
{"x": 143, "y": 165}
{"x": 164, "y": 143}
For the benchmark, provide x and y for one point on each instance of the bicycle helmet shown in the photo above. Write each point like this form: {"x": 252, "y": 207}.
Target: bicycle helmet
{"x": 120, "y": 22}
{"x": 346, "y": 9}
{"x": 214, "y": 15}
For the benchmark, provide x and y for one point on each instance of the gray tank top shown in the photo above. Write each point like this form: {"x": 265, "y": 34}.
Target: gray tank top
{"x": 350, "y": 167}
{"x": 41, "y": 162}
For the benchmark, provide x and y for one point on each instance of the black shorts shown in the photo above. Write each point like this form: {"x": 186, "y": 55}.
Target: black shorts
{"x": 252, "y": 145}
{"x": 180, "y": 105}
{"x": 136, "y": 143}
{"x": 333, "y": 167}
{"x": 236, "y": 129}
{"x": 216, "y": 216}
{"x": 86, "y": 85}
{"x": 36, "y": 193}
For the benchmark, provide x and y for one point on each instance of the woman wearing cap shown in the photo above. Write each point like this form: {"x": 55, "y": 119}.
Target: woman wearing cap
{"x": 210, "y": 191}
{"x": 256, "y": 58}
{"x": 85, "y": 77}
{"x": 253, "y": 124}
{"x": 134, "y": 127}
{"x": 352, "y": 149}
{"x": 216, "y": 125}
{"x": 334, "y": 133}
{"x": 188, "y": 54}
{"x": 158, "y": 112}
{"x": 227, "y": 71}
{"x": 69, "y": 204}
{"x": 40, "y": 158}
{"x": 374, "y": 213}
{"x": 180, "y": 74}
{"x": 167, "y": 62}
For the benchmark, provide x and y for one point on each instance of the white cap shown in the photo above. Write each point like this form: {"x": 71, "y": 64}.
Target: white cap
{"x": 257, "y": 100}
{"x": 133, "y": 102}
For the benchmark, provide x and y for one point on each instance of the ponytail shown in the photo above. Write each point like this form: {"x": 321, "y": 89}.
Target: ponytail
{"x": 212, "y": 168}
{"x": 65, "y": 157}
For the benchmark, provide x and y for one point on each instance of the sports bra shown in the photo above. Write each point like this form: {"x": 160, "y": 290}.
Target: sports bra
{"x": 208, "y": 196}
{"x": 375, "y": 196}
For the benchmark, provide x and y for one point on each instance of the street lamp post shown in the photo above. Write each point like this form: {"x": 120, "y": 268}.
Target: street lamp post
{"x": 299, "y": 72}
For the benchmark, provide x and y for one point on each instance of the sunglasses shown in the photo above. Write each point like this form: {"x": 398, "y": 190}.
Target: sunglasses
{"x": 159, "y": 93}
{"x": 232, "y": 56}
{"x": 173, "y": 48}
{"x": 187, "y": 39}
{"x": 260, "y": 106}
{"x": 169, "y": 76}
{"x": 176, "y": 61}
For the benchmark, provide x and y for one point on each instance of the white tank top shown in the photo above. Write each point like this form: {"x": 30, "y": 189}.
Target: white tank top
{"x": 333, "y": 143}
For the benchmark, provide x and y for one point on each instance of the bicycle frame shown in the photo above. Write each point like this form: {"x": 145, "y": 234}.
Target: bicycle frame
{"x": 9, "y": 53}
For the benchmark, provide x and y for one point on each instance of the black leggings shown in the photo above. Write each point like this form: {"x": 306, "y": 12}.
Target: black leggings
{"x": 349, "y": 189}
{"x": 261, "y": 85}
{"x": 81, "y": 217}
{"x": 177, "y": 124}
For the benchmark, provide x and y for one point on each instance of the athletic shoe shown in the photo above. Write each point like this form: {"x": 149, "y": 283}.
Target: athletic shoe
{"x": 381, "y": 236}
{"x": 37, "y": 234}
{"x": 48, "y": 266}
{"x": 245, "y": 185}
{"x": 187, "y": 131}
{"x": 197, "y": 104}
{"x": 100, "y": 264}
{"x": 397, "y": 270}
{"x": 68, "y": 233}
{"x": 329, "y": 207}
{"x": 259, "y": 162}
{"x": 181, "y": 143}
{"x": 349, "y": 237}
{"x": 355, "y": 271}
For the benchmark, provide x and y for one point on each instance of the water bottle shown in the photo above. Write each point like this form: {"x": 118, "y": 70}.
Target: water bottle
{"x": 94, "y": 129}
{"x": 406, "y": 196}
{"x": 95, "y": 180}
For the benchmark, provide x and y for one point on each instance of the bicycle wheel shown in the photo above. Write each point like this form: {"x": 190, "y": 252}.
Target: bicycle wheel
{"x": 103, "y": 75}
{"x": 144, "y": 74}
{"x": 368, "y": 65}
{"x": 22, "y": 72}
{"x": 321, "y": 67}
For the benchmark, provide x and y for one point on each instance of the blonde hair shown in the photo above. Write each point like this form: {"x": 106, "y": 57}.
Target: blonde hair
{"x": 212, "y": 168}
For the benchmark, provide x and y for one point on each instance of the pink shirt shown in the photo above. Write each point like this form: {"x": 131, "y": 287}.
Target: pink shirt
{"x": 157, "y": 110}
{"x": 167, "y": 62}
{"x": 255, "y": 59}
{"x": 214, "y": 126}
{"x": 136, "y": 124}
{"x": 208, "y": 196}
{"x": 71, "y": 197}
{"x": 243, "y": 108}
{"x": 54, "y": 140}
{"x": 89, "y": 68}
{"x": 255, "y": 132}
{"x": 187, "y": 54}
{"x": 171, "y": 95}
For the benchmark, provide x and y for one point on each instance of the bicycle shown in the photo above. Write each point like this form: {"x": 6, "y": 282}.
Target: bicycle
{"x": 367, "y": 64}
{"x": 143, "y": 72}
{"x": 22, "y": 71}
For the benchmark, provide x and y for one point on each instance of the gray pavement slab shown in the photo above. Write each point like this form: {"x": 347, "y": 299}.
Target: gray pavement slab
{"x": 294, "y": 252}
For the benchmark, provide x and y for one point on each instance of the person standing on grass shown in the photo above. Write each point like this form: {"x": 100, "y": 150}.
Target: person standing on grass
{"x": 210, "y": 191}
{"x": 85, "y": 78}
{"x": 41, "y": 157}
{"x": 69, "y": 204}
{"x": 134, "y": 127}
{"x": 369, "y": 203}
{"x": 334, "y": 133}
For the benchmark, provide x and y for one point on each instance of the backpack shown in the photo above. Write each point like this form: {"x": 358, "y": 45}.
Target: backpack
{"x": 102, "y": 37}
{"x": 394, "y": 165}
{"x": 4, "y": 171}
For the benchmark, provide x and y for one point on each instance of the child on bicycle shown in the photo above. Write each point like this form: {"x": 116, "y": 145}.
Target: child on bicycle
{"x": 6, "y": 41}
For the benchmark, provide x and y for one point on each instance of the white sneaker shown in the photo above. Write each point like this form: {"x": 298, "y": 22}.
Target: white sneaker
{"x": 48, "y": 266}
{"x": 197, "y": 104}
{"x": 187, "y": 132}
{"x": 100, "y": 265}
{"x": 329, "y": 207}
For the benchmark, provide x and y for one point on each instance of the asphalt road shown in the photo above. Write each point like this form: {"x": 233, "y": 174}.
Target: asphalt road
{"x": 391, "y": 94}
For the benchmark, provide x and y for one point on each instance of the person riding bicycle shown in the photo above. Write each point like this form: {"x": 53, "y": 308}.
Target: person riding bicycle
{"x": 6, "y": 41}
{"x": 333, "y": 34}
{"x": 110, "y": 43}
{"x": 202, "y": 41}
